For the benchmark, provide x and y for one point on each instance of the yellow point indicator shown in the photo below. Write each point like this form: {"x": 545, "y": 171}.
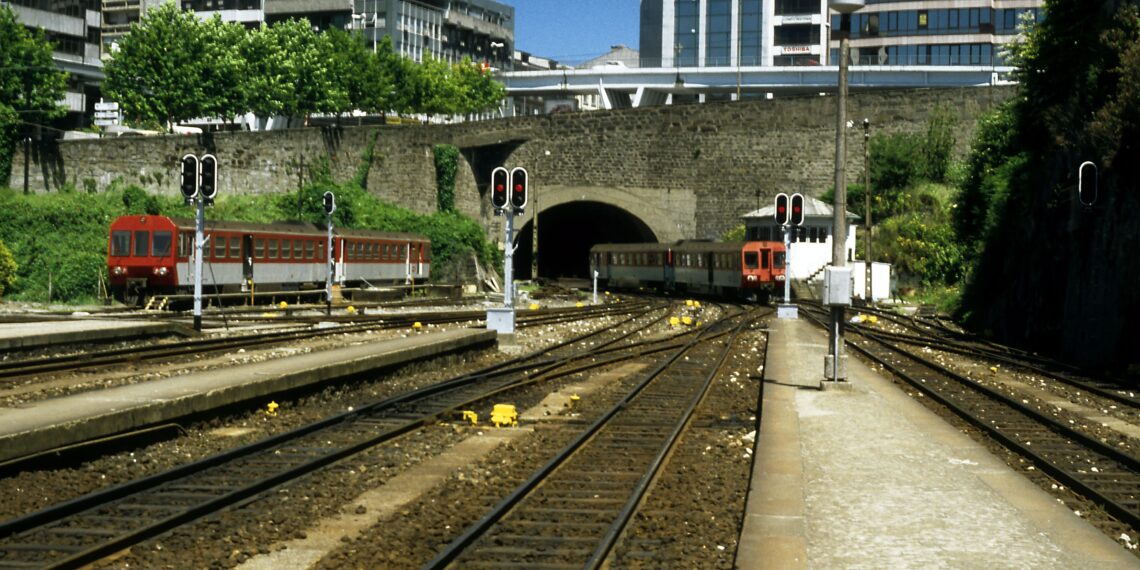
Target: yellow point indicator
{"x": 417, "y": 325}
{"x": 687, "y": 320}
{"x": 688, "y": 302}
{"x": 283, "y": 305}
{"x": 271, "y": 409}
{"x": 674, "y": 321}
{"x": 350, "y": 310}
{"x": 579, "y": 304}
{"x": 534, "y": 306}
{"x": 471, "y": 416}
{"x": 504, "y": 415}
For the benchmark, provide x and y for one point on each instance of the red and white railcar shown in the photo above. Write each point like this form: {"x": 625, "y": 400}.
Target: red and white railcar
{"x": 742, "y": 269}
{"x": 153, "y": 255}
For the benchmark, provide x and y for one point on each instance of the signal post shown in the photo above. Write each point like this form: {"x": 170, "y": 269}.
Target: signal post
{"x": 789, "y": 212}
{"x": 508, "y": 197}
{"x": 199, "y": 186}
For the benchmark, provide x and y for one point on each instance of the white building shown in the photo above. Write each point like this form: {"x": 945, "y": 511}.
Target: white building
{"x": 810, "y": 248}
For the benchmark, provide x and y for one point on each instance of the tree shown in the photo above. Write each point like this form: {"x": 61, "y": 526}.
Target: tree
{"x": 160, "y": 71}
{"x": 30, "y": 84}
{"x": 226, "y": 79}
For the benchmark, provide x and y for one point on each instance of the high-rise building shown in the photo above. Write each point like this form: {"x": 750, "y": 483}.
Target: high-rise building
{"x": 72, "y": 27}
{"x": 730, "y": 33}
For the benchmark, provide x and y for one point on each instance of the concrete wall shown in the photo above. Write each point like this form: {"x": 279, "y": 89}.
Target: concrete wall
{"x": 687, "y": 171}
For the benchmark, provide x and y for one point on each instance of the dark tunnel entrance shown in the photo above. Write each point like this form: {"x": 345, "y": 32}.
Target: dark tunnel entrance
{"x": 567, "y": 232}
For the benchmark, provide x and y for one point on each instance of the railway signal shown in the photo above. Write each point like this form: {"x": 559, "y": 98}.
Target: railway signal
{"x": 208, "y": 178}
{"x": 1087, "y": 183}
{"x": 797, "y": 216}
{"x": 782, "y": 209}
{"x": 189, "y": 186}
{"x": 330, "y": 203}
{"x": 518, "y": 188}
{"x": 499, "y": 181}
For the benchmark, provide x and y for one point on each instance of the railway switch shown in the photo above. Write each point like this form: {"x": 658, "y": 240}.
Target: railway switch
{"x": 504, "y": 415}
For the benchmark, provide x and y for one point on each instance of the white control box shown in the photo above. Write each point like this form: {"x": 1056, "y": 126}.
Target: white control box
{"x": 837, "y": 286}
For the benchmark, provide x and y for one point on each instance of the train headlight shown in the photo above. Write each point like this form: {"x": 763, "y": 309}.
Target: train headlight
{"x": 751, "y": 278}
{"x": 779, "y": 278}
{"x": 119, "y": 270}
{"x": 160, "y": 271}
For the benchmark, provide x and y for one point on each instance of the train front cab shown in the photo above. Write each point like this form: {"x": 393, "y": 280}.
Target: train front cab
{"x": 141, "y": 257}
{"x": 763, "y": 268}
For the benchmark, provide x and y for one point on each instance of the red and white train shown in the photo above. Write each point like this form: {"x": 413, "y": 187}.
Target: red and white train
{"x": 741, "y": 269}
{"x": 153, "y": 255}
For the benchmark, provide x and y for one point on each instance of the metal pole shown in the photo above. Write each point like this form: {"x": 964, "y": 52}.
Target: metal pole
{"x": 839, "y": 217}
{"x": 787, "y": 265}
{"x": 199, "y": 230}
{"x": 867, "y": 200}
{"x": 534, "y": 238}
{"x": 508, "y": 262}
{"x": 331, "y": 266}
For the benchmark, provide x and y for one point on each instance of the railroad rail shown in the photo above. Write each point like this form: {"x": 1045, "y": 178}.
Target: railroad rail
{"x": 112, "y": 356}
{"x": 573, "y": 510}
{"x": 85, "y": 529}
{"x": 1088, "y": 466}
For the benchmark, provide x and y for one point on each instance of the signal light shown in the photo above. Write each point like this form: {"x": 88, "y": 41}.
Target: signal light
{"x": 1087, "y": 183}
{"x": 208, "y": 181}
{"x": 797, "y": 217}
{"x": 782, "y": 209}
{"x": 189, "y": 186}
{"x": 499, "y": 181}
{"x": 518, "y": 188}
{"x": 330, "y": 203}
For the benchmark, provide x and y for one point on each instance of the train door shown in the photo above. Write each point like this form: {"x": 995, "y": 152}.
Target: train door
{"x": 247, "y": 262}
{"x": 709, "y": 258}
{"x": 670, "y": 271}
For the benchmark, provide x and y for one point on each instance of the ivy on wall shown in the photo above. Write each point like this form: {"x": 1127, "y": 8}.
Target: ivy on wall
{"x": 446, "y": 165}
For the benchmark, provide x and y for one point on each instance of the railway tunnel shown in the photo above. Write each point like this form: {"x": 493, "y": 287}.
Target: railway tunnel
{"x": 566, "y": 232}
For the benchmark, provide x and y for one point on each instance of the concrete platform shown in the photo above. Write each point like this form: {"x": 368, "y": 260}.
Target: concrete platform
{"x": 63, "y": 421}
{"x": 866, "y": 477}
{"x": 49, "y": 333}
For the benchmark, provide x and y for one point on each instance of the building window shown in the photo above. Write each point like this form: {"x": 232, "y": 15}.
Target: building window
{"x": 687, "y": 21}
{"x": 718, "y": 33}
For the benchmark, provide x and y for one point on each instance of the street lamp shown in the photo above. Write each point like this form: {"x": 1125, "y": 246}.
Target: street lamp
{"x": 835, "y": 365}
{"x": 870, "y": 296}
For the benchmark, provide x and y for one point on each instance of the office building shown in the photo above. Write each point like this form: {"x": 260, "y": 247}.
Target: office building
{"x": 776, "y": 33}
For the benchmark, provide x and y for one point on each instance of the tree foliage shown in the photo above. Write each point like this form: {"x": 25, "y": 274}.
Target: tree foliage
{"x": 30, "y": 84}
{"x": 173, "y": 67}
{"x": 160, "y": 70}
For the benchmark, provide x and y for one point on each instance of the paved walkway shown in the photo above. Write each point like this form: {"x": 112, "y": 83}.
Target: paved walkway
{"x": 863, "y": 476}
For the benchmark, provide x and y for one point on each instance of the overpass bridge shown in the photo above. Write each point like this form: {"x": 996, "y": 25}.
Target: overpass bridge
{"x": 620, "y": 87}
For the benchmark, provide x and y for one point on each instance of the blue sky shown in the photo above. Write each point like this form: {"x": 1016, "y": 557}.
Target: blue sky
{"x": 572, "y": 31}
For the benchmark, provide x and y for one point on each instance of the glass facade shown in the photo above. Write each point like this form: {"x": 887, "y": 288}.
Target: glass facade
{"x": 751, "y": 31}
{"x": 687, "y": 32}
{"x": 718, "y": 33}
{"x": 938, "y": 22}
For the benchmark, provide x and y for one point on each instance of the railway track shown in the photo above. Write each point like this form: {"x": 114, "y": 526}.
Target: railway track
{"x": 940, "y": 337}
{"x": 1090, "y": 467}
{"x": 15, "y": 369}
{"x": 87, "y": 528}
{"x": 573, "y": 510}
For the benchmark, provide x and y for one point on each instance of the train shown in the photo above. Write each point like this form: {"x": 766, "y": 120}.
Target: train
{"x": 151, "y": 255}
{"x": 749, "y": 270}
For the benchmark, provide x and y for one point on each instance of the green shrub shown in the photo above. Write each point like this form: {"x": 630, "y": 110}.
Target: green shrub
{"x": 7, "y": 268}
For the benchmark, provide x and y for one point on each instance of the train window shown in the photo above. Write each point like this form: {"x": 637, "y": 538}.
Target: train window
{"x": 403, "y": 252}
{"x": 142, "y": 243}
{"x": 297, "y": 249}
{"x": 219, "y": 247}
{"x": 259, "y": 248}
{"x": 310, "y": 249}
{"x": 777, "y": 260}
{"x": 286, "y": 249}
{"x": 120, "y": 243}
{"x": 321, "y": 250}
{"x": 273, "y": 249}
{"x": 161, "y": 245}
{"x": 235, "y": 247}
{"x": 185, "y": 245}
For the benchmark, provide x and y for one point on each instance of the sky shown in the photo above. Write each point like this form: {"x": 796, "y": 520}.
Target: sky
{"x": 573, "y": 31}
